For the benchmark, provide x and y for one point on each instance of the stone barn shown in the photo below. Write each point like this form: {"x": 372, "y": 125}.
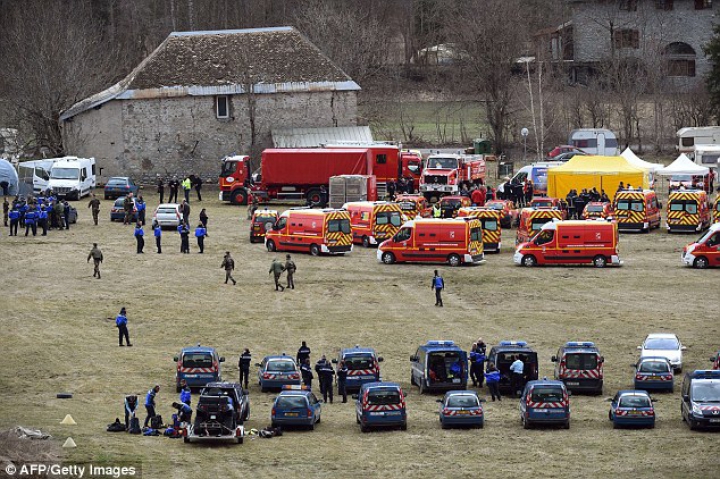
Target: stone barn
{"x": 203, "y": 95}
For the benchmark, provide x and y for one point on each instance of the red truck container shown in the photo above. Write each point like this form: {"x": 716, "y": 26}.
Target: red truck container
{"x": 444, "y": 174}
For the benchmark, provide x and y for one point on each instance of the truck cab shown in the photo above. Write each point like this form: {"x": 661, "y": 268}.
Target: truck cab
{"x": 502, "y": 356}
{"x": 439, "y": 366}
{"x": 579, "y": 365}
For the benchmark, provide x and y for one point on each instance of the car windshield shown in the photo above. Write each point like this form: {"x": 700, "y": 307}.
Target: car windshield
{"x": 446, "y": 163}
{"x": 117, "y": 182}
{"x": 384, "y": 396}
{"x": 291, "y": 402}
{"x": 359, "y": 361}
{"x": 264, "y": 219}
{"x": 280, "y": 366}
{"x": 581, "y": 361}
{"x": 228, "y": 168}
{"x": 389, "y": 217}
{"x": 342, "y": 225}
{"x": 450, "y": 204}
{"x": 65, "y": 173}
{"x": 706, "y": 391}
{"x": 664, "y": 344}
{"x": 489, "y": 224}
{"x": 634, "y": 401}
{"x": 197, "y": 360}
{"x": 654, "y": 367}
{"x": 542, "y": 203}
{"x": 681, "y": 178}
{"x": 462, "y": 400}
{"x": 547, "y": 394}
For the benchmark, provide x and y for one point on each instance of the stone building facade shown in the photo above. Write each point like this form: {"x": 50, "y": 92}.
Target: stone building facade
{"x": 665, "y": 36}
{"x": 203, "y": 95}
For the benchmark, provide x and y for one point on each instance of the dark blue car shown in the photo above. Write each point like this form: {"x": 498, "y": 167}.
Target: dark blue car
{"x": 118, "y": 186}
{"x": 380, "y": 405}
{"x": 461, "y": 408}
{"x": 654, "y": 373}
{"x": 296, "y": 406}
{"x": 545, "y": 401}
{"x": 632, "y": 408}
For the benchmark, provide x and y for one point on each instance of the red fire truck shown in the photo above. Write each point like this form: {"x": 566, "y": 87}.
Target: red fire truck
{"x": 299, "y": 174}
{"x": 444, "y": 174}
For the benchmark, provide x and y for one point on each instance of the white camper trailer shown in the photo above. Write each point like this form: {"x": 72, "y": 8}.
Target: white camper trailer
{"x": 594, "y": 141}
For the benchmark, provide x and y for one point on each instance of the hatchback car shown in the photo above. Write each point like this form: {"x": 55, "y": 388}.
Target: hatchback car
{"x": 117, "y": 212}
{"x": 666, "y": 345}
{"x": 654, "y": 373}
{"x": 296, "y": 406}
{"x": 461, "y": 408}
{"x": 277, "y": 371}
{"x": 545, "y": 402}
{"x": 120, "y": 186}
{"x": 632, "y": 408}
{"x": 167, "y": 215}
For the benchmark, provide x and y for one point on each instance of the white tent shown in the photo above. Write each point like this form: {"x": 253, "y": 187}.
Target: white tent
{"x": 8, "y": 178}
{"x": 633, "y": 159}
{"x": 683, "y": 166}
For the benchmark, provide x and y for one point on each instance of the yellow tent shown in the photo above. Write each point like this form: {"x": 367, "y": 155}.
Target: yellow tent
{"x": 601, "y": 172}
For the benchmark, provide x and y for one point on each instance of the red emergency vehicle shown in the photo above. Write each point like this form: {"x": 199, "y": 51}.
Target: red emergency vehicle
{"x": 261, "y": 222}
{"x": 373, "y": 222}
{"x": 597, "y": 210}
{"x": 492, "y": 230}
{"x": 637, "y": 210}
{"x": 571, "y": 242}
{"x": 411, "y": 205}
{"x": 531, "y": 220}
{"x": 545, "y": 202}
{"x": 716, "y": 210}
{"x": 449, "y": 205}
{"x": 455, "y": 241}
{"x": 311, "y": 230}
{"x": 688, "y": 211}
{"x": 705, "y": 252}
{"x": 444, "y": 174}
{"x": 508, "y": 212}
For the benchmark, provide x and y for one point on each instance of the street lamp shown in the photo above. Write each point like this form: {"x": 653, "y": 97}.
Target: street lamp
{"x": 524, "y": 132}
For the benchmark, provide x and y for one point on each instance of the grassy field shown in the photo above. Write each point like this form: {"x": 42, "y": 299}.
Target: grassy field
{"x": 58, "y": 336}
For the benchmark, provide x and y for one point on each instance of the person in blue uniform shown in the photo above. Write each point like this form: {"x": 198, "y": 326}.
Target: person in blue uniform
{"x": 200, "y": 234}
{"x": 139, "y": 237}
{"x": 121, "y": 324}
{"x": 157, "y": 232}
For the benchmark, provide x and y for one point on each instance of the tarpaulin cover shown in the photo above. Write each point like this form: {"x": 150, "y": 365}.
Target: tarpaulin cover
{"x": 600, "y": 172}
{"x": 684, "y": 166}
{"x": 8, "y": 174}
{"x": 311, "y": 166}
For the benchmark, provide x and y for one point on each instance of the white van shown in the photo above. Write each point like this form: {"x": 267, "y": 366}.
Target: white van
{"x": 594, "y": 141}
{"x": 537, "y": 172}
{"x": 706, "y": 155}
{"x": 72, "y": 177}
{"x": 35, "y": 175}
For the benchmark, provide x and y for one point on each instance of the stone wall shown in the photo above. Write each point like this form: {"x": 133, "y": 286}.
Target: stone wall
{"x": 176, "y": 136}
{"x": 657, "y": 28}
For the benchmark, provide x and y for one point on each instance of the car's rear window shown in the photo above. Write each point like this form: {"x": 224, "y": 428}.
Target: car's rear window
{"x": 654, "y": 367}
{"x": 359, "y": 361}
{"x": 291, "y": 402}
{"x": 634, "y": 401}
{"x": 167, "y": 211}
{"x": 281, "y": 366}
{"x": 581, "y": 361}
{"x": 547, "y": 394}
{"x": 595, "y": 209}
{"x": 197, "y": 360}
{"x": 384, "y": 396}
{"x": 116, "y": 182}
{"x": 119, "y": 202}
{"x": 462, "y": 400}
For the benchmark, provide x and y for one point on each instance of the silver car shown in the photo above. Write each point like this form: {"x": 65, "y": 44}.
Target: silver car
{"x": 664, "y": 345}
{"x": 168, "y": 215}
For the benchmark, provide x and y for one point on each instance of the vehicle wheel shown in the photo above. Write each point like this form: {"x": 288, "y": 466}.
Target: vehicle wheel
{"x": 263, "y": 390}
{"x": 529, "y": 261}
{"x": 247, "y": 414}
{"x": 314, "y": 197}
{"x": 186, "y": 440}
{"x": 525, "y": 423}
{"x": 388, "y": 258}
{"x": 107, "y": 197}
{"x": 238, "y": 197}
{"x": 314, "y": 250}
{"x": 274, "y": 424}
{"x": 177, "y": 388}
{"x": 311, "y": 427}
{"x": 270, "y": 245}
{"x": 365, "y": 242}
{"x": 412, "y": 380}
{"x": 319, "y": 419}
{"x": 454, "y": 260}
{"x": 616, "y": 425}
{"x": 600, "y": 261}
{"x": 481, "y": 425}
{"x": 566, "y": 425}
{"x": 364, "y": 428}
{"x": 701, "y": 263}
{"x": 403, "y": 427}
{"x": 357, "y": 419}
{"x": 422, "y": 386}
{"x": 239, "y": 440}
{"x": 652, "y": 426}
{"x": 693, "y": 425}
{"x": 609, "y": 415}
{"x": 443, "y": 425}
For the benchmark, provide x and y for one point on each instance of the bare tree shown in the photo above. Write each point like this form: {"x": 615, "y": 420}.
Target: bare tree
{"x": 54, "y": 57}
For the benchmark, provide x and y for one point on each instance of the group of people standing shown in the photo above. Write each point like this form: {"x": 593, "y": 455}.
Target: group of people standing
{"x": 519, "y": 192}
{"x": 576, "y": 202}
{"x": 174, "y": 185}
{"x": 325, "y": 373}
{"x": 44, "y": 212}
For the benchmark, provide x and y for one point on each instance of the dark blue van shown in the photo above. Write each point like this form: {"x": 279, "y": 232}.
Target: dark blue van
{"x": 363, "y": 366}
{"x": 439, "y": 366}
{"x": 380, "y": 405}
{"x": 197, "y": 365}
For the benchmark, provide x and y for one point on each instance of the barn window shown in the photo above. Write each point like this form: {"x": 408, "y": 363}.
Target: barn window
{"x": 664, "y": 4}
{"x": 703, "y": 4}
{"x": 680, "y": 60}
{"x": 222, "y": 106}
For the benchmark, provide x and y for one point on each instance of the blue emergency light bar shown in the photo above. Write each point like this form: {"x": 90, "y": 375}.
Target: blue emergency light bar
{"x": 513, "y": 343}
{"x": 705, "y": 374}
{"x": 444, "y": 342}
{"x": 579, "y": 344}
